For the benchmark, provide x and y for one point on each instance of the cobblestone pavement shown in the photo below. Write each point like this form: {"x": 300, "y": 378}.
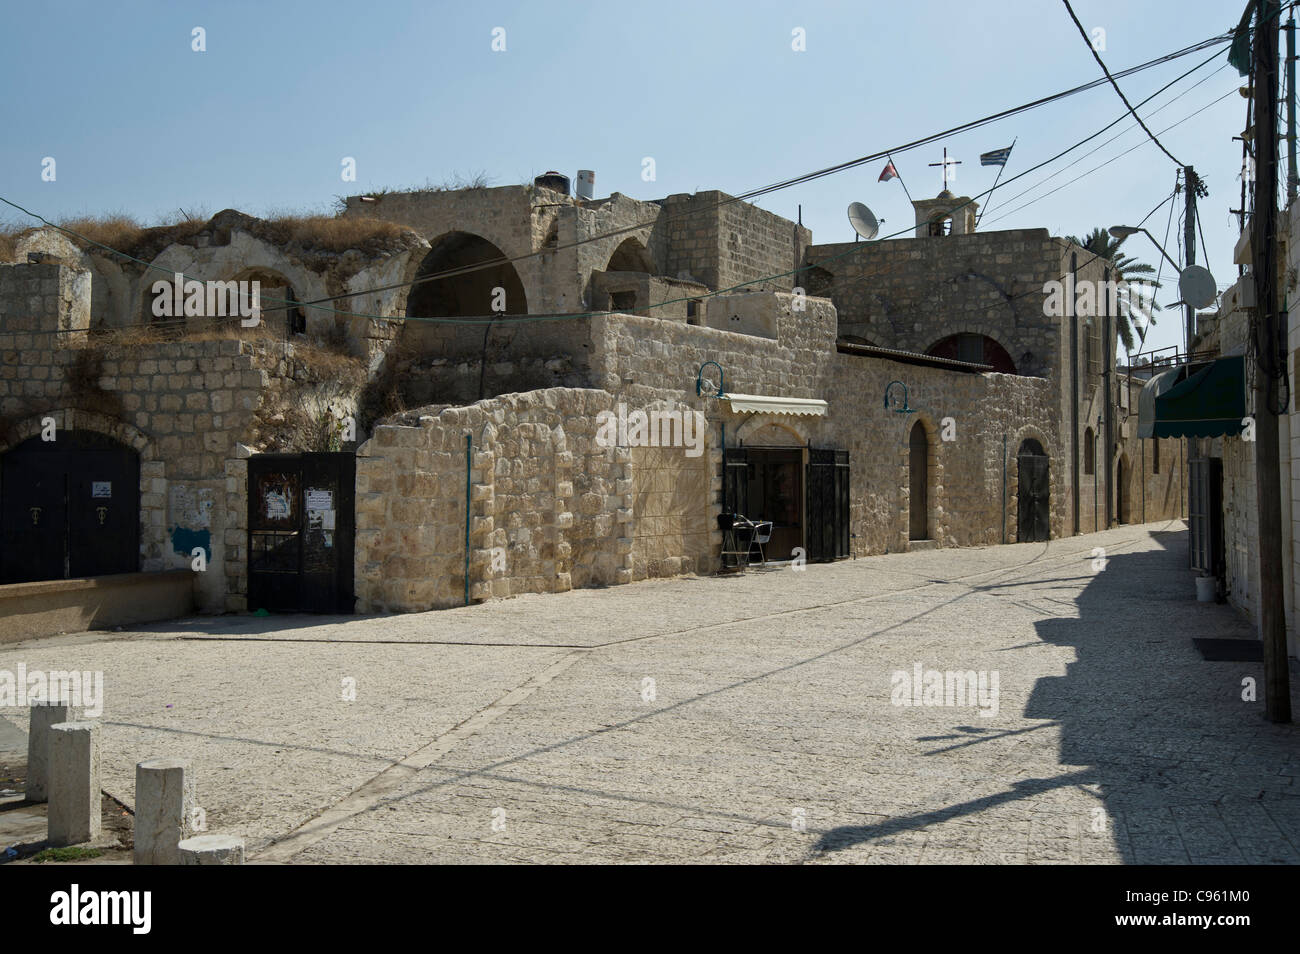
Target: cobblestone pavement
{"x": 740, "y": 719}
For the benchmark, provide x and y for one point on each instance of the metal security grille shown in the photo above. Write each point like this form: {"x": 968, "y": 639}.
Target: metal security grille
{"x": 827, "y": 532}
{"x": 301, "y": 529}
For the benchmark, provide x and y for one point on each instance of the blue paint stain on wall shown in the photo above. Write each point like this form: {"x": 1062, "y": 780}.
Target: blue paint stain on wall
{"x": 185, "y": 540}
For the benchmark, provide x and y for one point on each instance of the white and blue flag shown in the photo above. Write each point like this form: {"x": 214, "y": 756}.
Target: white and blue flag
{"x": 998, "y": 157}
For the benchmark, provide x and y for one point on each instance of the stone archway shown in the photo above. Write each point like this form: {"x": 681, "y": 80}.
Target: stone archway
{"x": 494, "y": 289}
{"x": 631, "y": 256}
{"x": 976, "y": 348}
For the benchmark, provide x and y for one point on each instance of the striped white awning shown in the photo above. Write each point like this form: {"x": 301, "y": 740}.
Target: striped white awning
{"x": 767, "y": 404}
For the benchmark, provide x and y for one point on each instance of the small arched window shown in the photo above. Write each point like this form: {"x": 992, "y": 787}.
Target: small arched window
{"x": 1089, "y": 453}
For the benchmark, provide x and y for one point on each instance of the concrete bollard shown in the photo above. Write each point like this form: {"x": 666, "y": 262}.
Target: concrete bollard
{"x": 74, "y": 811}
{"x": 43, "y": 715}
{"x": 164, "y": 808}
{"x": 212, "y": 850}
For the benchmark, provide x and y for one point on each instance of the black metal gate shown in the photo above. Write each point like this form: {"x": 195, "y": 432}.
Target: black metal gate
{"x": 827, "y": 523}
{"x": 1205, "y": 515}
{"x": 1033, "y": 525}
{"x": 69, "y": 508}
{"x": 301, "y": 530}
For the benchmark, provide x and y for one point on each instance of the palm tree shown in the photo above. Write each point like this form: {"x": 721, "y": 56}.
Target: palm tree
{"x": 1132, "y": 272}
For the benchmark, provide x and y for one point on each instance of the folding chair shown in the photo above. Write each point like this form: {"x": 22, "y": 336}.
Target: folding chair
{"x": 762, "y": 534}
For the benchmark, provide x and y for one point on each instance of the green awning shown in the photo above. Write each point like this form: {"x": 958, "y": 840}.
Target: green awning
{"x": 1209, "y": 402}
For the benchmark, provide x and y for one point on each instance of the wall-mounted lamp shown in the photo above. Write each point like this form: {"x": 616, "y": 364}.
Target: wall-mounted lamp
{"x": 699, "y": 379}
{"x": 897, "y": 408}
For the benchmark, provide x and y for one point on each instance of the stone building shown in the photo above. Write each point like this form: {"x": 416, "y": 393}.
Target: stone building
{"x": 422, "y": 418}
{"x": 1225, "y": 528}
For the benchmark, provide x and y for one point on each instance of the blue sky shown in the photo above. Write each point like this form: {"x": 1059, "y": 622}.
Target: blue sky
{"x": 140, "y": 123}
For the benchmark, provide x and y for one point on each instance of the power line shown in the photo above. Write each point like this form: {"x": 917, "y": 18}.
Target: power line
{"x": 1097, "y": 56}
{"x": 1121, "y": 133}
{"x": 853, "y": 249}
{"x": 787, "y": 183}
{"x": 1113, "y": 158}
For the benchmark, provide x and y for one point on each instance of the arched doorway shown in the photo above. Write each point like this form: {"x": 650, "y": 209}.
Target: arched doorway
{"x": 1033, "y": 482}
{"x": 918, "y": 468}
{"x": 69, "y": 508}
{"x": 1123, "y": 499}
{"x": 469, "y": 294}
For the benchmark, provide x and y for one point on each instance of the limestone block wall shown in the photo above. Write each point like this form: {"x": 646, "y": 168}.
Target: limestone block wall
{"x": 727, "y": 245}
{"x": 502, "y": 216}
{"x": 642, "y": 361}
{"x": 184, "y": 406}
{"x": 50, "y": 302}
{"x": 911, "y": 293}
{"x": 549, "y": 507}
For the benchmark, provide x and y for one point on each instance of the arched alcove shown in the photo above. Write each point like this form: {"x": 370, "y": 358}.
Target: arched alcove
{"x": 976, "y": 349}
{"x": 469, "y": 293}
{"x": 631, "y": 256}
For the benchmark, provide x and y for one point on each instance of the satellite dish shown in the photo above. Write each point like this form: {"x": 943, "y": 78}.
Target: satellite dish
{"x": 863, "y": 221}
{"x": 1196, "y": 285}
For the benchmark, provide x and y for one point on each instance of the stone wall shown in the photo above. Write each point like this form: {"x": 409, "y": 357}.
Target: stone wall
{"x": 552, "y": 508}
{"x": 189, "y": 408}
{"x": 549, "y": 508}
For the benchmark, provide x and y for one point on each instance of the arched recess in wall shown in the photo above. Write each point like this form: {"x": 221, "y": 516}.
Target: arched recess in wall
{"x": 1033, "y": 492}
{"x": 631, "y": 256}
{"x": 274, "y": 290}
{"x": 470, "y": 294}
{"x": 918, "y": 479}
{"x": 975, "y": 348}
{"x": 223, "y": 303}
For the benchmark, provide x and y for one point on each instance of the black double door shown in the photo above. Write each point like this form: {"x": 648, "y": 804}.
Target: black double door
{"x": 69, "y": 508}
{"x": 301, "y": 530}
{"x": 807, "y": 502}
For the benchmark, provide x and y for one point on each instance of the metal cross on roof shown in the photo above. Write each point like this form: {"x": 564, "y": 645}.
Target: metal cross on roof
{"x": 946, "y": 164}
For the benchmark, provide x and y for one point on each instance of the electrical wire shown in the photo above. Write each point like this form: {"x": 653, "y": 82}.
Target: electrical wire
{"x": 1097, "y": 56}
{"x": 1196, "y": 47}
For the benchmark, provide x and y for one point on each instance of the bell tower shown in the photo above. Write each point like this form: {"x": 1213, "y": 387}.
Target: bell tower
{"x": 945, "y": 214}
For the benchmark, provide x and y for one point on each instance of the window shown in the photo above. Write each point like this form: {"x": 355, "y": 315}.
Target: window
{"x": 624, "y": 301}
{"x": 693, "y": 311}
{"x": 1094, "y": 346}
{"x": 1089, "y": 452}
{"x": 1155, "y": 455}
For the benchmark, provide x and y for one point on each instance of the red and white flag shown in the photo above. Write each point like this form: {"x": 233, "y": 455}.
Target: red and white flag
{"x": 889, "y": 172}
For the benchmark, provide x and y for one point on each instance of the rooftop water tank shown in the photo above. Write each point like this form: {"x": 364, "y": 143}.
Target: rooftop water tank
{"x": 586, "y": 184}
{"x": 554, "y": 181}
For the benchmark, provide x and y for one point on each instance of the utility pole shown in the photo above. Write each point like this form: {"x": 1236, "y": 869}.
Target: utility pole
{"x": 1268, "y": 366}
{"x": 1292, "y": 175}
{"x": 1190, "y": 186}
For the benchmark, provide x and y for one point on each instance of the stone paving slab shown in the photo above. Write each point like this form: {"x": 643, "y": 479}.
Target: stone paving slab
{"x": 770, "y": 733}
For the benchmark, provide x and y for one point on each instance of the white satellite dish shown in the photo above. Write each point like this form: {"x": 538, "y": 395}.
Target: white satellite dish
{"x": 1196, "y": 285}
{"x": 863, "y": 221}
